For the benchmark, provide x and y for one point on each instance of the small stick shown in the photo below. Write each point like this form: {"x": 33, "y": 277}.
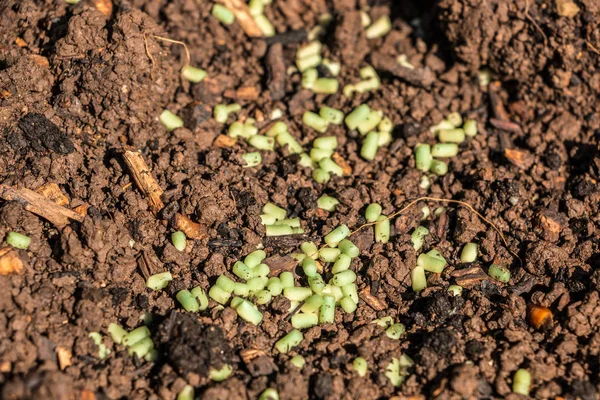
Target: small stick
{"x": 535, "y": 23}
{"x": 187, "y": 52}
{"x": 242, "y": 14}
{"x": 144, "y": 179}
{"x": 34, "y": 202}
{"x": 149, "y": 56}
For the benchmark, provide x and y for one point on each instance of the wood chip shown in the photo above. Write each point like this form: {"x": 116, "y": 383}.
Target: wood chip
{"x": 64, "y": 357}
{"x": 341, "y": 161}
{"x": 191, "y": 229}
{"x": 20, "y": 42}
{"x": 469, "y": 277}
{"x": 224, "y": 141}
{"x": 82, "y": 209}
{"x": 51, "y": 191}
{"x": 142, "y": 175}
{"x": 104, "y": 6}
{"x": 371, "y": 300}
{"x": 519, "y": 158}
{"x": 10, "y": 262}
{"x": 243, "y": 17}
{"x": 36, "y": 203}
{"x": 250, "y": 354}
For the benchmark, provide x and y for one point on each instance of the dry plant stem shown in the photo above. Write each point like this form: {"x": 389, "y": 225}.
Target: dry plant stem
{"x": 242, "y": 15}
{"x": 36, "y": 203}
{"x": 144, "y": 179}
{"x": 149, "y": 56}
{"x": 535, "y": 23}
{"x": 187, "y": 52}
{"x": 462, "y": 203}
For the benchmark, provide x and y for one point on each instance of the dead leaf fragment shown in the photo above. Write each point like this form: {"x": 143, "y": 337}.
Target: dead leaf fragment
{"x": 64, "y": 357}
{"x": 224, "y": 141}
{"x": 567, "y": 8}
{"x": 10, "y": 262}
{"x": 519, "y": 158}
{"x": 82, "y": 209}
{"x": 52, "y": 192}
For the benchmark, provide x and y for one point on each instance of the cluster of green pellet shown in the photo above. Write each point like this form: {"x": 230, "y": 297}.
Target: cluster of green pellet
{"x": 221, "y": 111}
{"x": 376, "y": 129}
{"x": 382, "y": 222}
{"x": 257, "y": 8}
{"x": 308, "y": 58}
{"x": 103, "y": 352}
{"x": 138, "y": 341}
{"x": 393, "y": 330}
{"x": 450, "y": 135}
{"x": 369, "y": 82}
{"x": 193, "y": 300}
{"x": 320, "y": 122}
{"x": 274, "y": 219}
{"x": 397, "y": 369}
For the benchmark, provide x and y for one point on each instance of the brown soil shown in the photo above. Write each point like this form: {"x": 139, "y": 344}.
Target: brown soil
{"x": 78, "y": 87}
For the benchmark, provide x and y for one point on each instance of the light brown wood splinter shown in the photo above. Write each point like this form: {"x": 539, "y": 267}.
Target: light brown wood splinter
{"x": 144, "y": 180}
{"x": 242, "y": 15}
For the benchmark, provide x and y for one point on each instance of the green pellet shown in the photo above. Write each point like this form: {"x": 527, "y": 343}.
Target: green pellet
{"x": 334, "y": 237}
{"x": 444, "y": 124}
{"x": 348, "y": 305}
{"x": 278, "y": 230}
{"x": 335, "y": 291}
{"x": 251, "y": 130}
{"x": 370, "y": 122}
{"x": 469, "y": 253}
{"x": 306, "y": 161}
{"x": 331, "y": 115}
{"x": 298, "y": 361}
{"x": 255, "y": 258}
{"x": 326, "y": 143}
{"x": 368, "y": 151}
{"x": 358, "y": 115}
{"x": 193, "y": 74}
{"x": 264, "y": 25}
{"x": 418, "y": 279}
{"x": 159, "y": 281}
{"x": 351, "y": 291}
{"x": 384, "y": 138}
{"x": 456, "y": 135}
{"x": 187, "y": 300}
{"x": 316, "y": 283}
{"x": 384, "y": 322}
{"x": 392, "y": 372}
{"x": 141, "y": 348}
{"x": 292, "y": 339}
{"x": 320, "y": 175}
{"x": 455, "y": 119}
{"x": 317, "y": 154}
{"x": 310, "y": 49}
{"x": 368, "y": 72}
{"x": 116, "y": 332}
{"x": 200, "y": 295}
{"x": 348, "y": 248}
{"x": 341, "y": 264}
{"x": 275, "y": 211}
{"x": 18, "y": 240}
{"x": 499, "y": 273}
{"x": 278, "y": 128}
{"x": 328, "y": 254}
{"x": 418, "y": 236}
{"x": 170, "y": 120}
{"x": 310, "y": 249}
{"x": 220, "y": 113}
{"x": 135, "y": 336}
{"x": 423, "y": 157}
{"x": 343, "y": 278}
{"x": 373, "y": 212}
{"x": 269, "y": 394}
{"x": 241, "y": 289}
{"x": 431, "y": 264}
{"x": 262, "y": 142}
{"x": 258, "y": 283}
{"x": 327, "y": 164}
{"x": 360, "y": 366}
{"x": 325, "y": 86}
{"x": 287, "y": 279}
{"x": 263, "y": 297}
{"x": 179, "y": 240}
{"x": 297, "y": 293}
{"x": 521, "y": 382}
{"x": 444, "y": 150}
{"x": 311, "y": 61}
{"x": 236, "y": 129}
{"x": 249, "y": 313}
{"x": 152, "y": 355}
{"x": 327, "y": 203}
{"x": 348, "y": 90}
{"x": 425, "y": 183}
{"x": 312, "y": 304}
{"x": 368, "y": 85}
{"x": 235, "y": 302}
{"x": 455, "y": 290}
{"x": 225, "y": 283}
{"x": 303, "y": 321}
{"x": 261, "y": 270}
{"x": 309, "y": 266}
{"x": 395, "y": 331}
{"x": 385, "y": 125}
{"x": 286, "y": 139}
{"x": 223, "y": 14}
{"x": 187, "y": 393}
{"x": 379, "y": 28}
{"x": 219, "y": 295}
{"x": 382, "y": 229}
{"x": 242, "y": 271}
{"x": 309, "y": 77}
{"x": 274, "y": 286}
{"x": 315, "y": 121}
{"x": 426, "y": 212}
{"x": 470, "y": 127}
{"x": 327, "y": 310}
{"x": 256, "y": 7}
{"x": 219, "y": 375}
{"x": 252, "y": 159}
{"x": 333, "y": 67}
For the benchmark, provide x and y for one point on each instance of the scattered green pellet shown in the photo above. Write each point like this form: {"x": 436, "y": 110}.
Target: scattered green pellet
{"x": 309, "y": 266}
{"x": 348, "y": 305}
{"x": 358, "y": 115}
{"x": 418, "y": 279}
{"x": 265, "y": 26}
{"x": 263, "y": 296}
{"x": 438, "y": 167}
{"x": 334, "y": 237}
{"x": 18, "y": 240}
{"x": 241, "y": 289}
{"x": 303, "y": 321}
{"x": 235, "y": 302}
{"x": 269, "y": 394}
{"x": 159, "y": 281}
{"x": 279, "y": 230}
{"x": 444, "y": 150}
{"x": 315, "y": 121}
{"x": 327, "y": 310}
{"x": 223, "y": 14}
{"x": 298, "y": 361}
{"x": 333, "y": 67}
{"x": 312, "y": 304}
{"x": 392, "y": 372}
{"x": 135, "y": 336}
{"x": 225, "y": 283}
{"x": 455, "y": 119}
{"x": 382, "y": 229}
{"x": 200, "y": 295}
{"x": 141, "y": 348}
{"x": 431, "y": 264}
{"x": 310, "y": 49}
{"x": 384, "y": 322}
{"x": 179, "y": 240}
{"x": 395, "y": 331}
{"x": 277, "y": 128}
{"x": 320, "y": 175}
{"x": 455, "y": 290}
{"x": 370, "y": 122}
{"x": 287, "y": 279}
{"x": 297, "y": 293}
{"x": 187, "y": 393}
{"x": 219, "y": 375}
{"x": 193, "y": 74}
{"x": 327, "y": 203}
{"x": 275, "y": 211}
{"x": 292, "y": 339}
{"x": 351, "y": 291}
{"x": 309, "y": 77}
{"x": 316, "y": 283}
{"x": 521, "y": 382}
{"x": 187, "y": 300}
{"x": 308, "y": 62}
{"x": 348, "y": 248}
{"x": 261, "y": 270}
{"x": 328, "y": 254}
{"x": 258, "y": 283}
{"x": 255, "y": 258}
{"x": 256, "y": 7}
{"x": 360, "y": 366}
{"x": 248, "y": 311}
{"x": 379, "y": 28}
{"x": 219, "y": 295}
{"x": 116, "y": 332}
{"x": 220, "y": 113}
{"x": 327, "y": 164}
{"x": 386, "y": 125}
{"x": 170, "y": 120}
{"x": 326, "y": 86}
{"x": 252, "y": 159}
{"x": 326, "y": 142}
{"x": 368, "y": 151}
{"x": 469, "y": 253}
{"x": 470, "y": 127}
{"x": 274, "y": 286}
{"x": 418, "y": 236}
{"x": 331, "y": 115}
{"x": 456, "y": 135}
{"x": 341, "y": 264}
{"x": 262, "y": 142}
{"x": 499, "y": 273}
{"x": 343, "y": 278}
{"x": 423, "y": 157}
{"x": 286, "y": 139}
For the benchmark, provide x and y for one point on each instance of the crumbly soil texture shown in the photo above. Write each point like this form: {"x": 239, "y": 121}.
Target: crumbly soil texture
{"x": 80, "y": 84}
